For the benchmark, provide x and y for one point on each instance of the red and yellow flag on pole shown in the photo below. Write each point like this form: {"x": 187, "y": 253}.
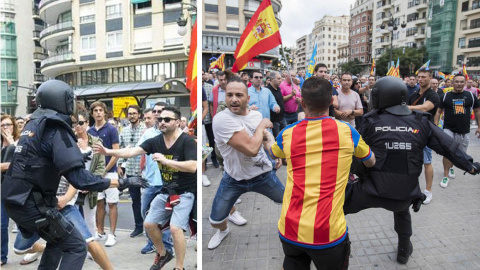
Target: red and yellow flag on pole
{"x": 219, "y": 63}
{"x": 464, "y": 71}
{"x": 191, "y": 71}
{"x": 260, "y": 35}
{"x": 372, "y": 69}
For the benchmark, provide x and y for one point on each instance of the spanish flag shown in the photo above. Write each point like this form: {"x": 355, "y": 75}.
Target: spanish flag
{"x": 464, "y": 72}
{"x": 372, "y": 69}
{"x": 219, "y": 63}
{"x": 191, "y": 71}
{"x": 260, "y": 35}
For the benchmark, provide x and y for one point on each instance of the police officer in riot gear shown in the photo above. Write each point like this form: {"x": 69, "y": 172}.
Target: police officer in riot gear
{"x": 397, "y": 135}
{"x": 47, "y": 150}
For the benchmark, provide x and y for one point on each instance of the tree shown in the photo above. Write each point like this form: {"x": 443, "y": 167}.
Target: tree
{"x": 415, "y": 56}
{"x": 353, "y": 67}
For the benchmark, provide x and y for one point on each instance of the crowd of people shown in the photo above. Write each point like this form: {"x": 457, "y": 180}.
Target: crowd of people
{"x": 362, "y": 130}
{"x": 152, "y": 155}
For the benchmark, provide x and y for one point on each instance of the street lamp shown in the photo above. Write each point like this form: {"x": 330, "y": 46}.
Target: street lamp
{"x": 182, "y": 21}
{"x": 392, "y": 26}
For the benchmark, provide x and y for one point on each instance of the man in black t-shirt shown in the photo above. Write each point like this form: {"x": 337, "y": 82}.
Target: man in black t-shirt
{"x": 457, "y": 107}
{"x": 176, "y": 154}
{"x": 277, "y": 119}
{"x": 426, "y": 100}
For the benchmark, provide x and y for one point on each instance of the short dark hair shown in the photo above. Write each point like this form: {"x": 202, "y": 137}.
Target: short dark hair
{"x": 220, "y": 73}
{"x": 425, "y": 70}
{"x": 135, "y": 107}
{"x": 175, "y": 110}
{"x": 346, "y": 73}
{"x": 372, "y": 76}
{"x": 243, "y": 73}
{"x": 255, "y": 71}
{"x": 458, "y": 75}
{"x": 147, "y": 110}
{"x": 447, "y": 80}
{"x": 317, "y": 93}
{"x": 319, "y": 65}
{"x": 235, "y": 78}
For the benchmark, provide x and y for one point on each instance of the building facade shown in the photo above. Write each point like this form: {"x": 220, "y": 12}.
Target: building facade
{"x": 466, "y": 42}
{"x": 329, "y": 32}
{"x": 360, "y": 43}
{"x": 301, "y": 59}
{"x": 223, "y": 24}
{"x": 343, "y": 55}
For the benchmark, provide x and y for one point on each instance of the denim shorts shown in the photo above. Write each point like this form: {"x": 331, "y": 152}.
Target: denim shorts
{"x": 22, "y": 244}
{"x": 72, "y": 214}
{"x": 427, "y": 155}
{"x": 179, "y": 216}
{"x": 230, "y": 190}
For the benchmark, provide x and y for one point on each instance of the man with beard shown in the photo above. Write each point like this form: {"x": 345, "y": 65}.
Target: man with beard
{"x": 176, "y": 155}
{"x": 278, "y": 119}
{"x": 129, "y": 138}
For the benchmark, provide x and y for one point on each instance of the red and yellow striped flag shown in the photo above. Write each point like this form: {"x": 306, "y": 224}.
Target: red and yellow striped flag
{"x": 464, "y": 71}
{"x": 372, "y": 69}
{"x": 219, "y": 63}
{"x": 260, "y": 35}
{"x": 191, "y": 71}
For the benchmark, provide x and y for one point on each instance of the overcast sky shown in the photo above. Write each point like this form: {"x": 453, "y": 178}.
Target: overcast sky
{"x": 299, "y": 16}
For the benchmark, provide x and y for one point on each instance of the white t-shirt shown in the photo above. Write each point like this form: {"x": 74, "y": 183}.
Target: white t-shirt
{"x": 236, "y": 164}
{"x": 348, "y": 103}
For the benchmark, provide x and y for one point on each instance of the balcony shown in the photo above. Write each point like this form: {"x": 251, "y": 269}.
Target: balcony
{"x": 419, "y": 36}
{"x": 54, "y": 34}
{"x": 56, "y": 64}
{"x": 472, "y": 11}
{"x": 385, "y": 44}
{"x": 35, "y": 12}
{"x": 51, "y": 9}
{"x": 39, "y": 56}
{"x": 7, "y": 7}
{"x": 36, "y": 35}
{"x": 38, "y": 77}
{"x": 470, "y": 48}
{"x": 421, "y": 21}
{"x": 385, "y": 19}
{"x": 470, "y": 30}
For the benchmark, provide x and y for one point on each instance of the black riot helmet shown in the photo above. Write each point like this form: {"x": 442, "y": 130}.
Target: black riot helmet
{"x": 56, "y": 95}
{"x": 390, "y": 93}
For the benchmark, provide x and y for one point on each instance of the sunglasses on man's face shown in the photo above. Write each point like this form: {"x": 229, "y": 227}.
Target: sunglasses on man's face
{"x": 79, "y": 123}
{"x": 156, "y": 111}
{"x": 166, "y": 119}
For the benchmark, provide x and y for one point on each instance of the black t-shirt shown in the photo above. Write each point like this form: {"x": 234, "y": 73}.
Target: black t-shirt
{"x": 276, "y": 117}
{"x": 183, "y": 149}
{"x": 457, "y": 110}
{"x": 429, "y": 95}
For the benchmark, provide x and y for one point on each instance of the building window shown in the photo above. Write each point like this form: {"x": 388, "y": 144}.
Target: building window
{"x": 87, "y": 13}
{"x": 364, "y": 18}
{"x": 144, "y": 7}
{"x": 114, "y": 41}
{"x": 114, "y": 11}
{"x": 461, "y": 43}
{"x": 364, "y": 29}
{"x": 88, "y": 44}
{"x": 211, "y": 20}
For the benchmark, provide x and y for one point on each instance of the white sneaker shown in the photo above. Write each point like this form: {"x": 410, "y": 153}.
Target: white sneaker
{"x": 217, "y": 238}
{"x": 205, "y": 181}
{"x": 111, "y": 240}
{"x": 451, "y": 173}
{"x": 237, "y": 219}
{"x": 238, "y": 201}
{"x": 100, "y": 237}
{"x": 429, "y": 197}
{"x": 29, "y": 258}
{"x": 444, "y": 182}
{"x": 14, "y": 228}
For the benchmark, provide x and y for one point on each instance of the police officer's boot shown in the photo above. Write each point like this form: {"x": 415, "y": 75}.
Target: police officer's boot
{"x": 405, "y": 249}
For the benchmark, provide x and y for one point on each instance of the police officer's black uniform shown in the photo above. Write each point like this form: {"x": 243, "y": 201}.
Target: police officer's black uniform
{"x": 397, "y": 136}
{"x": 45, "y": 151}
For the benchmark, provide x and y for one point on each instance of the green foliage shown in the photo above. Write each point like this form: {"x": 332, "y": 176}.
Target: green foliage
{"x": 417, "y": 56}
{"x": 353, "y": 67}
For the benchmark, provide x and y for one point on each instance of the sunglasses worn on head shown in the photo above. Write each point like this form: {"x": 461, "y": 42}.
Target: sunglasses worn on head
{"x": 166, "y": 119}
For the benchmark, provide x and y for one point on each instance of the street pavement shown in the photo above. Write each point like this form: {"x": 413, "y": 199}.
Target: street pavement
{"x": 124, "y": 255}
{"x": 445, "y": 232}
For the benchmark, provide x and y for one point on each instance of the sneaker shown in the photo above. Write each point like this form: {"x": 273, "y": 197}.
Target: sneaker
{"x": 237, "y": 218}
{"x": 238, "y": 201}
{"x": 429, "y": 197}
{"x": 205, "y": 181}
{"x": 136, "y": 232}
{"x": 30, "y": 258}
{"x": 160, "y": 261}
{"x": 217, "y": 238}
{"x": 100, "y": 237}
{"x": 451, "y": 173}
{"x": 404, "y": 253}
{"x": 215, "y": 163}
{"x": 111, "y": 240}
{"x": 444, "y": 182}
{"x": 148, "y": 248}
{"x": 14, "y": 228}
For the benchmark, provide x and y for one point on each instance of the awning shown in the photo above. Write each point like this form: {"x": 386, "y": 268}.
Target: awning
{"x": 141, "y": 90}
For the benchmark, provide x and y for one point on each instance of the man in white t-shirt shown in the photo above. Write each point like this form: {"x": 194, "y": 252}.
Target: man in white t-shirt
{"x": 349, "y": 103}
{"x": 239, "y": 134}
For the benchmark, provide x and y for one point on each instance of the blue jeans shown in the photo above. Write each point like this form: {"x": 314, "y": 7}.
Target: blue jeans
{"x": 278, "y": 126}
{"x": 4, "y": 233}
{"x": 291, "y": 118}
{"x": 135, "y": 193}
{"x": 72, "y": 214}
{"x": 230, "y": 190}
{"x": 148, "y": 195}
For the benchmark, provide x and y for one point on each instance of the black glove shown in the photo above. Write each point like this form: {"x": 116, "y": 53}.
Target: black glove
{"x": 134, "y": 181}
{"x": 416, "y": 203}
{"x": 86, "y": 156}
{"x": 476, "y": 168}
